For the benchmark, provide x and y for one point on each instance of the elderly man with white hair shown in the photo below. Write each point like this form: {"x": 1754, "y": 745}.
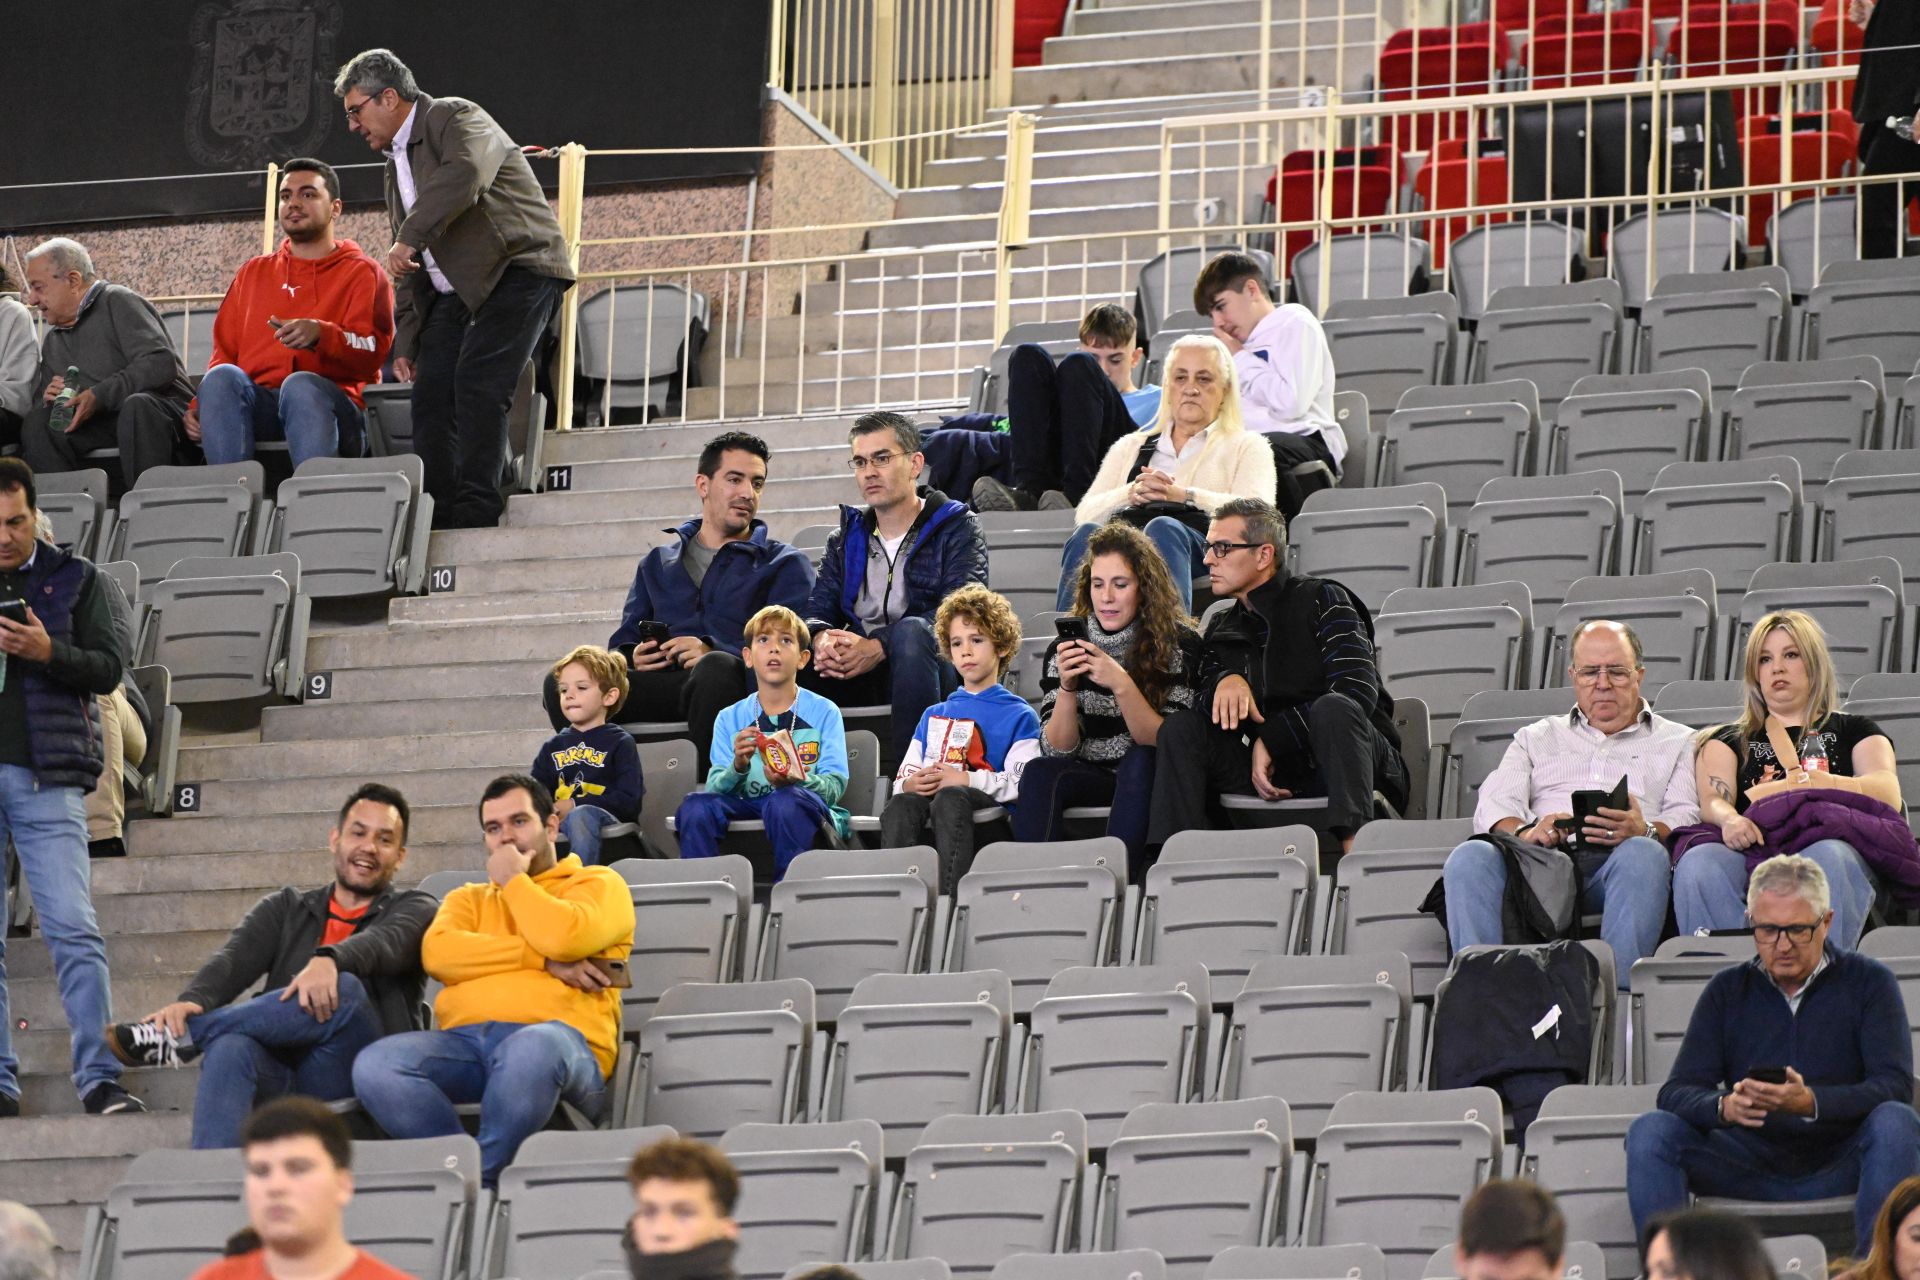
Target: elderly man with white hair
{"x": 1795, "y": 1079}
{"x": 131, "y": 393}
{"x": 26, "y": 1244}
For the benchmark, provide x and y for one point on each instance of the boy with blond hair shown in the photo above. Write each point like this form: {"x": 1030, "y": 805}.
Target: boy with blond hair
{"x": 591, "y": 767}
{"x": 779, "y": 755}
{"x": 968, "y": 752}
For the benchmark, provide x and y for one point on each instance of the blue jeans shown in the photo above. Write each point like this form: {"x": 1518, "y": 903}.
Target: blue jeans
{"x": 1667, "y": 1158}
{"x": 263, "y": 1048}
{"x": 311, "y": 413}
{"x": 1179, "y": 546}
{"x": 582, "y": 827}
{"x": 793, "y": 816}
{"x": 1629, "y": 888}
{"x": 48, "y": 826}
{"x": 1053, "y": 784}
{"x": 913, "y": 678}
{"x": 518, "y": 1072}
{"x": 1710, "y": 889}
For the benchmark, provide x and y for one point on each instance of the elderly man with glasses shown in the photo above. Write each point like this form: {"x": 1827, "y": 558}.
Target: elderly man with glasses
{"x": 1608, "y": 734}
{"x": 1795, "y": 1079}
{"x": 1290, "y": 700}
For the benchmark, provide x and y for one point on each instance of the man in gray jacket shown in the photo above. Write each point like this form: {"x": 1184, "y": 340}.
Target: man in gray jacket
{"x": 479, "y": 263}
{"x": 342, "y": 969}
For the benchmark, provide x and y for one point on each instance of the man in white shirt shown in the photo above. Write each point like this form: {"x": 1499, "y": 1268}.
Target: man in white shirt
{"x": 1623, "y": 864}
{"x": 465, "y": 206}
{"x": 1281, "y": 356}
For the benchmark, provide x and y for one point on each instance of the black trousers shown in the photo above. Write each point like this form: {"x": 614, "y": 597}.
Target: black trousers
{"x": 944, "y": 819}
{"x": 1196, "y": 762}
{"x": 1883, "y": 205}
{"x": 146, "y": 430}
{"x": 1291, "y": 449}
{"x": 696, "y": 694}
{"x": 464, "y": 378}
{"x": 1061, "y": 420}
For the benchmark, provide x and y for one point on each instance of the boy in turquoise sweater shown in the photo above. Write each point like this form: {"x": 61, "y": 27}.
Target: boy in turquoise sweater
{"x": 779, "y": 755}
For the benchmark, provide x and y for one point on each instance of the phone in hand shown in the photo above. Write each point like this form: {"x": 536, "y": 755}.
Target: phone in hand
{"x": 614, "y": 970}
{"x": 1768, "y": 1075}
{"x": 655, "y": 631}
{"x": 14, "y": 611}
{"x": 1073, "y": 628}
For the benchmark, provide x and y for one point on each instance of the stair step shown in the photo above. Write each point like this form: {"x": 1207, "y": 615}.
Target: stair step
{"x": 50, "y": 1093}
{"x": 278, "y": 761}
{"x": 198, "y": 834}
{"x": 263, "y": 871}
{"x": 422, "y": 786}
{"x": 451, "y": 680}
{"x": 319, "y": 721}
{"x": 599, "y": 603}
{"x": 483, "y": 546}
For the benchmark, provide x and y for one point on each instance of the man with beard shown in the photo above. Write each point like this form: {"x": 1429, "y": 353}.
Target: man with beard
{"x": 300, "y": 332}
{"x": 342, "y": 964}
{"x": 720, "y": 569}
{"x": 530, "y": 1013}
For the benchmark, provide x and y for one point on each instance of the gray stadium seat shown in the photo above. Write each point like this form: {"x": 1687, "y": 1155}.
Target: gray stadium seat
{"x": 1903, "y": 414}
{"x": 1722, "y": 332}
{"x": 389, "y": 418}
{"x": 908, "y": 1049}
{"x": 1492, "y": 257}
{"x": 1814, "y": 421}
{"x": 1350, "y": 412}
{"x": 1326, "y": 1262}
{"x": 1443, "y": 655}
{"x": 1633, "y": 424}
{"x": 1897, "y": 711}
{"x": 901, "y": 1269}
{"x": 981, "y": 1188}
{"x": 1363, "y": 264}
{"x": 1165, "y": 284}
{"x": 1103, "y": 1041}
{"x": 1459, "y": 437}
{"x": 1582, "y": 1260}
{"x": 1033, "y": 910}
{"x": 1189, "y": 1181}
{"x": 359, "y": 525}
{"x": 191, "y": 333}
{"x": 672, "y": 769}
{"x": 639, "y": 345}
{"x": 1728, "y": 518}
{"x": 1226, "y": 907}
{"x": 563, "y": 1203}
{"x": 1169, "y": 330}
{"x": 169, "y": 1214}
{"x": 1552, "y": 345}
{"x": 1384, "y": 347}
{"x": 1811, "y": 234}
{"x": 1684, "y": 238}
{"x": 1393, "y": 1169}
{"x": 1664, "y": 990}
{"x": 809, "y": 1193}
{"x": 158, "y": 769}
{"x": 1121, "y": 1264}
{"x": 415, "y": 1203}
{"x": 690, "y": 925}
{"x": 842, "y": 915}
{"x": 1377, "y": 891}
{"x": 1859, "y": 604}
{"x": 989, "y": 394}
{"x": 1699, "y": 703}
{"x": 1672, "y": 613}
{"x": 1475, "y": 748}
{"x": 172, "y": 513}
{"x": 1576, "y": 1148}
{"x": 1313, "y": 1029}
{"x": 1796, "y": 1257}
{"x": 713, "y": 1055}
{"x": 1868, "y": 308}
{"x": 1029, "y": 577}
{"x": 1890, "y": 941}
{"x": 228, "y": 629}
{"x": 1545, "y": 531}
{"x": 1374, "y": 540}
{"x": 76, "y": 503}
{"x": 1866, "y": 509}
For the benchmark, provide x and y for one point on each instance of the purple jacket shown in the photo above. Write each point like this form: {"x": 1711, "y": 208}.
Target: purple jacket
{"x": 1792, "y": 820}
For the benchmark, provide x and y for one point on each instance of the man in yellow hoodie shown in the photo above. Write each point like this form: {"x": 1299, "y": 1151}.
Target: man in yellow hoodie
{"x": 529, "y": 1016}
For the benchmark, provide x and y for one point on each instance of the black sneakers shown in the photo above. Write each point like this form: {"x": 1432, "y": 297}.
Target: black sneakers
{"x": 108, "y": 1099}
{"x": 9, "y": 1106}
{"x": 143, "y": 1044}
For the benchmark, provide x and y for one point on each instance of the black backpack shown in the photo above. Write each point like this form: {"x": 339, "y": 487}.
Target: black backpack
{"x": 1518, "y": 1019}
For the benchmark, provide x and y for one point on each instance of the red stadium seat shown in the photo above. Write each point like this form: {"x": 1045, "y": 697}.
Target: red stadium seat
{"x": 1704, "y": 46}
{"x": 1815, "y": 155}
{"x": 1836, "y": 40}
{"x": 1343, "y": 158}
{"x": 1460, "y": 184}
{"x": 1599, "y": 48}
{"x": 1359, "y": 191}
{"x": 1835, "y": 121}
{"x": 1034, "y": 23}
{"x": 1430, "y": 71}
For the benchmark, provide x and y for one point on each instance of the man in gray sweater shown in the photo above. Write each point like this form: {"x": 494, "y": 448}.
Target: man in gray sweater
{"x": 132, "y": 392}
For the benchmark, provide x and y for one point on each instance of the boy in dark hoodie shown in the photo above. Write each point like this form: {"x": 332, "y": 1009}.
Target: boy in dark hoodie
{"x": 968, "y": 752}
{"x": 591, "y": 767}
{"x": 682, "y": 1227}
{"x": 300, "y": 332}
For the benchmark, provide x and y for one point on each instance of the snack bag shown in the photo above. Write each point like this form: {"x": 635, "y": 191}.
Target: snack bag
{"x": 778, "y": 756}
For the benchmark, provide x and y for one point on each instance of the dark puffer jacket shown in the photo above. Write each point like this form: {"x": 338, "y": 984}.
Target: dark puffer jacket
{"x": 945, "y": 550}
{"x": 63, "y": 721}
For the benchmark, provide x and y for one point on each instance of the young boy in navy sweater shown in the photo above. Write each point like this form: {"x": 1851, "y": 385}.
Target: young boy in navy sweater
{"x": 968, "y": 752}
{"x": 779, "y": 755}
{"x": 592, "y": 767}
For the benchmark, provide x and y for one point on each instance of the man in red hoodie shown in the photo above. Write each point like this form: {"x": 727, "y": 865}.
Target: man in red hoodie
{"x": 300, "y": 331}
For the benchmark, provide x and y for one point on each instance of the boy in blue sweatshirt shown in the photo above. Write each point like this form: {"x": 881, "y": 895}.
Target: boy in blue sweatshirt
{"x": 779, "y": 755}
{"x": 591, "y": 767}
{"x": 968, "y": 752}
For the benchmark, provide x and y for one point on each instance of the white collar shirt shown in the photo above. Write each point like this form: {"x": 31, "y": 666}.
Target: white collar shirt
{"x": 403, "y": 178}
{"x": 1552, "y": 758}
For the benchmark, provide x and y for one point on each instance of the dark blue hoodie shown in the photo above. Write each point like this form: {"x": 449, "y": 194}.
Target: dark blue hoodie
{"x": 745, "y": 576}
{"x": 944, "y": 551}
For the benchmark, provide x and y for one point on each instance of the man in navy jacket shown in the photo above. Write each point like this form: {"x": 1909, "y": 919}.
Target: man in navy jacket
{"x": 1833, "y": 1022}
{"x": 720, "y": 570}
{"x": 882, "y": 577}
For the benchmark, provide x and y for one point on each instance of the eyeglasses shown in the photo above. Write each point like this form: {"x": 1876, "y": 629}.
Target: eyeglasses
{"x": 1614, "y": 675}
{"x": 878, "y": 461}
{"x": 1221, "y": 550}
{"x": 1768, "y": 935}
{"x": 353, "y": 111}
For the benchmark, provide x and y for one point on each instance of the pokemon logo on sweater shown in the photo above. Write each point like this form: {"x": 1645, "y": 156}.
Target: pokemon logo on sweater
{"x": 578, "y": 753}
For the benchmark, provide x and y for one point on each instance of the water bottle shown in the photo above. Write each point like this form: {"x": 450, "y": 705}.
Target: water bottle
{"x": 1813, "y": 754}
{"x": 63, "y": 403}
{"x": 1902, "y": 127}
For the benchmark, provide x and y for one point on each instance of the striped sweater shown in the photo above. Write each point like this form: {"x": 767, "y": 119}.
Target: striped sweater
{"x": 1103, "y": 730}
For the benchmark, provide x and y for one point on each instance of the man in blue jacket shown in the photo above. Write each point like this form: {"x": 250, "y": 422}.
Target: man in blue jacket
{"x": 883, "y": 576}
{"x": 1795, "y": 1079}
{"x": 720, "y": 569}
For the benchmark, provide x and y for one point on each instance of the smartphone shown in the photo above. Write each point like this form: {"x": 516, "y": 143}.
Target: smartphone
{"x": 1070, "y": 628}
{"x": 1768, "y": 1075}
{"x": 615, "y": 971}
{"x": 656, "y": 632}
{"x": 14, "y": 611}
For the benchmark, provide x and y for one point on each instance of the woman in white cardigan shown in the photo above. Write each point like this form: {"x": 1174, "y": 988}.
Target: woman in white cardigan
{"x": 1169, "y": 478}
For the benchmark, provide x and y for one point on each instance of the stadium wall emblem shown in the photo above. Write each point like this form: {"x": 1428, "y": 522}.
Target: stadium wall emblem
{"x": 261, "y": 84}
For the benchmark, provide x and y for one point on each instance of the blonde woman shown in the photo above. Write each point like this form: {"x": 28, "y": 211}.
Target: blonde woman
{"x": 1789, "y": 675}
{"x": 1197, "y": 455}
